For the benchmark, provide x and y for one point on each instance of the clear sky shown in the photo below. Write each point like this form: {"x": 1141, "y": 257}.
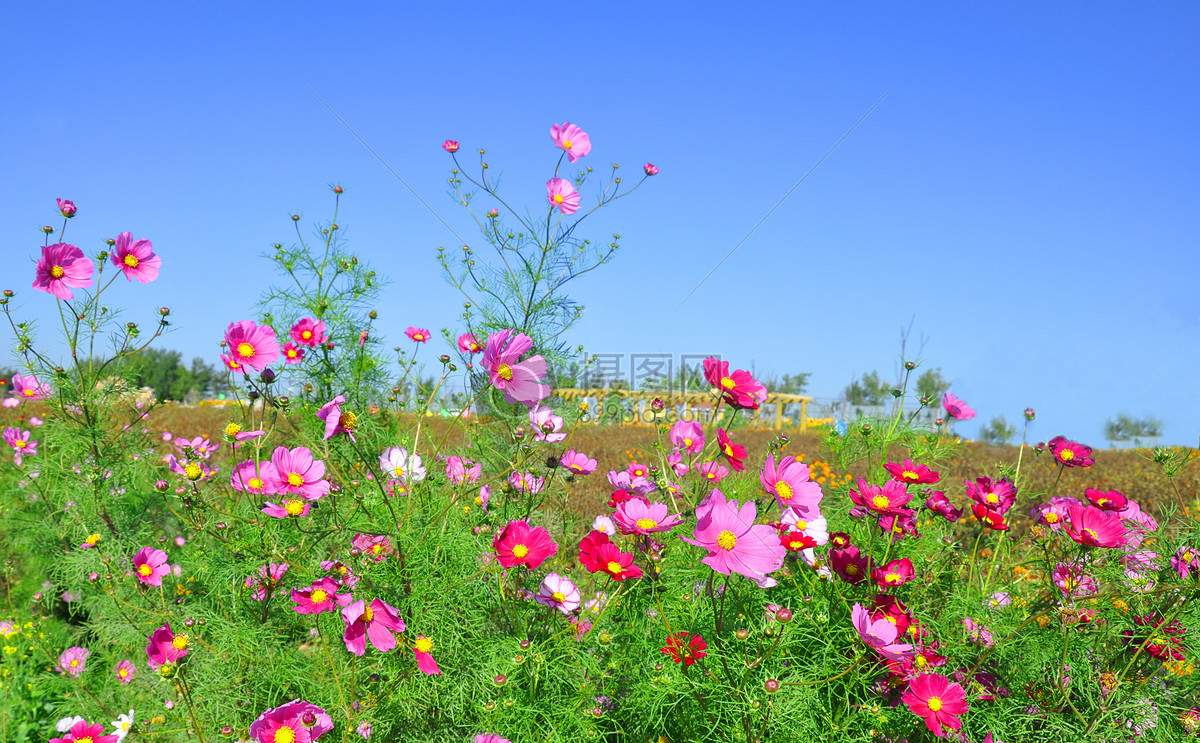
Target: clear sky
{"x": 1026, "y": 196}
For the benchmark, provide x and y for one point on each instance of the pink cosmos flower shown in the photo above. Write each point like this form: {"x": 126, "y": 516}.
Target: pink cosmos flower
{"x": 308, "y": 332}
{"x": 302, "y": 721}
{"x": 888, "y": 499}
{"x": 733, "y": 453}
{"x": 678, "y": 466}
{"x": 19, "y": 442}
{"x": 136, "y": 258}
{"x": 688, "y": 436}
{"x": 469, "y": 344}
{"x": 639, "y": 517}
{"x": 989, "y": 517}
{"x": 526, "y": 482}
{"x": 624, "y": 481}
{"x": 936, "y": 699}
{"x": 450, "y": 146}
{"x": 577, "y": 462}
{"x": 320, "y": 597}
{"x": 999, "y": 495}
{"x": 165, "y": 646}
{"x": 292, "y": 353}
{"x": 231, "y": 363}
{"x": 1184, "y": 560}
{"x": 1141, "y": 569}
{"x": 1093, "y": 527}
{"x": 789, "y": 483}
{"x": 1070, "y": 453}
{"x": 519, "y": 544}
{"x": 398, "y": 463}
{"x": 251, "y": 345}
{"x": 297, "y": 473}
{"x": 978, "y": 633}
{"x": 558, "y": 592}
{"x": 734, "y": 542}
{"x": 1053, "y": 513}
{"x": 520, "y": 381}
{"x": 365, "y": 728}
{"x": 267, "y": 577}
{"x": 373, "y": 545}
{"x": 1110, "y": 500}
{"x": 27, "y": 387}
{"x": 73, "y": 661}
{"x": 61, "y": 268}
{"x": 937, "y": 502}
{"x": 546, "y": 425}
{"x": 374, "y": 622}
{"x": 560, "y": 193}
{"x": 650, "y": 169}
{"x": 460, "y": 470}
{"x": 849, "y": 563}
{"x": 490, "y": 738}
{"x": 337, "y": 421}
{"x": 485, "y": 495}
{"x": 150, "y": 565}
{"x": 571, "y": 139}
{"x": 739, "y": 388}
{"x": 1074, "y": 581}
{"x": 287, "y": 508}
{"x": 125, "y": 670}
{"x": 254, "y": 477}
{"x": 85, "y": 732}
{"x": 910, "y": 473}
{"x": 66, "y": 207}
{"x": 420, "y": 335}
{"x": 341, "y": 573}
{"x": 895, "y": 573}
{"x": 956, "y": 408}
{"x": 714, "y": 472}
{"x": 880, "y": 634}
{"x": 423, "y": 650}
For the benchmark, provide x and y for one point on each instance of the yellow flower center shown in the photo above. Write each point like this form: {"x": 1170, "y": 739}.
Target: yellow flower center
{"x": 92, "y": 538}
{"x": 306, "y": 334}
{"x": 558, "y": 199}
{"x": 728, "y": 383}
{"x": 348, "y": 420}
{"x": 934, "y": 704}
{"x": 293, "y": 507}
{"x": 74, "y": 663}
{"x": 423, "y": 644}
{"x": 19, "y": 444}
{"x": 255, "y": 483}
{"x": 851, "y": 569}
{"x": 367, "y": 614}
{"x": 84, "y": 739}
{"x": 399, "y": 470}
{"x": 558, "y": 597}
{"x": 687, "y": 442}
{"x": 318, "y": 596}
{"x": 1101, "y": 501}
{"x": 520, "y": 550}
{"x": 193, "y": 471}
{"x": 232, "y": 430}
{"x": 880, "y": 501}
{"x": 245, "y": 350}
{"x": 57, "y": 272}
{"x": 180, "y": 642}
{"x": 566, "y": 144}
{"x": 292, "y": 353}
{"x": 1051, "y": 518}
{"x": 992, "y": 498}
{"x": 145, "y": 570}
{"x": 615, "y": 568}
{"x": 284, "y": 735}
{"x": 122, "y": 673}
{"x": 729, "y": 450}
{"x": 909, "y": 475}
{"x": 783, "y": 490}
{"x": 1187, "y": 556}
{"x": 1066, "y": 455}
{"x": 920, "y": 661}
{"x": 376, "y": 549}
{"x": 801, "y": 525}
{"x": 28, "y": 393}
{"x": 295, "y": 479}
{"x": 646, "y": 523}
{"x": 1069, "y": 583}
{"x": 726, "y": 540}
{"x": 131, "y": 261}
{"x": 891, "y": 578}
{"x": 1091, "y": 533}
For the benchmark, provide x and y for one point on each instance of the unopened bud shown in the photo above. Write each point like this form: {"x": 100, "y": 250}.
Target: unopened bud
{"x": 657, "y": 405}
{"x": 650, "y": 169}
{"x": 784, "y": 615}
{"x": 500, "y": 680}
{"x": 444, "y": 358}
{"x": 47, "y": 229}
{"x": 267, "y": 375}
{"x": 772, "y": 686}
{"x": 1030, "y": 414}
{"x": 337, "y": 189}
{"x": 161, "y": 485}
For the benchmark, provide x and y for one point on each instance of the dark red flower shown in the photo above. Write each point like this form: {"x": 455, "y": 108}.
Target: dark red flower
{"x": 684, "y": 649}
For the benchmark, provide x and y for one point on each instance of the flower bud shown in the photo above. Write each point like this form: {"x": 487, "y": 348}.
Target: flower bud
{"x": 189, "y": 623}
{"x": 167, "y": 671}
{"x": 337, "y": 189}
{"x": 1029, "y": 414}
{"x": 93, "y": 577}
{"x": 309, "y": 718}
{"x": 772, "y": 686}
{"x": 500, "y": 680}
{"x": 66, "y": 208}
{"x": 490, "y": 706}
{"x": 657, "y": 405}
{"x": 38, "y": 596}
{"x": 8, "y": 292}
{"x": 650, "y": 168}
{"x": 910, "y": 365}
{"x": 939, "y": 422}
{"x": 161, "y": 486}
{"x": 444, "y": 358}
{"x": 373, "y": 315}
{"x": 47, "y": 229}
{"x": 227, "y": 730}
{"x": 450, "y": 146}
{"x": 784, "y": 615}
{"x": 742, "y": 634}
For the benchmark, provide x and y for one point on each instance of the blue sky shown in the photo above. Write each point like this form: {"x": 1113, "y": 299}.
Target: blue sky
{"x": 1026, "y": 195}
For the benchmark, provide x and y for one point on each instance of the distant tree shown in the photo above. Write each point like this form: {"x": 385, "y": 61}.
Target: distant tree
{"x": 931, "y": 385}
{"x": 788, "y": 384}
{"x": 998, "y": 431}
{"x": 870, "y": 390}
{"x": 163, "y": 370}
{"x": 1127, "y": 428}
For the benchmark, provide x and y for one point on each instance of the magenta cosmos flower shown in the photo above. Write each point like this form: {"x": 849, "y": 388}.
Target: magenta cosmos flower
{"x": 558, "y": 592}
{"x": 286, "y": 508}
{"x": 292, "y": 353}
{"x": 136, "y": 258}
{"x": 910, "y": 473}
{"x": 336, "y": 420}
{"x": 308, "y": 332}
{"x": 571, "y": 139}
{"x": 66, "y": 207}
{"x": 739, "y": 388}
{"x": 374, "y": 622}
{"x": 688, "y": 436}
{"x": 880, "y": 634}
{"x": 469, "y": 344}
{"x": 125, "y": 670}
{"x": 27, "y": 387}
{"x": 998, "y": 495}
{"x": 546, "y": 425}
{"x": 1070, "y": 453}
{"x": 1109, "y": 500}
{"x": 1093, "y": 527}
{"x": 519, "y": 544}
{"x": 560, "y": 193}
{"x": 420, "y": 335}
{"x": 265, "y": 579}
{"x": 165, "y": 646}
{"x": 85, "y": 732}
{"x": 423, "y": 650}
{"x": 490, "y": 738}
{"x": 251, "y": 345}
{"x": 61, "y": 268}
{"x": 73, "y": 661}
{"x": 295, "y": 722}
{"x": 320, "y": 597}
{"x": 520, "y": 381}
{"x": 1073, "y": 580}
{"x": 734, "y": 542}
{"x": 888, "y": 499}
{"x": 254, "y": 477}
{"x": 937, "y": 502}
{"x": 956, "y": 408}
{"x": 460, "y": 470}
{"x": 636, "y": 516}
{"x": 577, "y": 462}
{"x": 788, "y": 482}
{"x": 150, "y": 565}
{"x": 936, "y": 699}
{"x": 895, "y": 573}
{"x": 297, "y": 473}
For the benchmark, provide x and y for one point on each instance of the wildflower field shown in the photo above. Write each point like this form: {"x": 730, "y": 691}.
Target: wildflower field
{"x": 323, "y": 559}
